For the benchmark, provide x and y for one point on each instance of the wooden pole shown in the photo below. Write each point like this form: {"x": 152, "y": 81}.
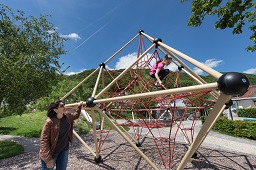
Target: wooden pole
{"x": 94, "y": 133}
{"x": 97, "y": 82}
{"x": 123, "y": 129}
{"x": 126, "y": 70}
{"x": 81, "y": 140}
{"x": 209, "y": 122}
{"x": 127, "y": 139}
{"x": 214, "y": 93}
{"x": 122, "y": 48}
{"x": 203, "y": 67}
{"x": 209, "y": 86}
{"x": 190, "y": 72}
{"x": 71, "y": 91}
{"x": 199, "y": 79}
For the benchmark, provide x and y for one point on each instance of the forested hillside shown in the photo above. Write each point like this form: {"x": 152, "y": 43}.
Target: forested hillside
{"x": 185, "y": 81}
{"x": 84, "y": 91}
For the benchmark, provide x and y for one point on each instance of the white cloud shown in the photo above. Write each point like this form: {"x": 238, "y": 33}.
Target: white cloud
{"x": 73, "y": 36}
{"x": 172, "y": 67}
{"x": 213, "y": 63}
{"x": 210, "y": 63}
{"x": 126, "y": 61}
{"x": 129, "y": 59}
{"x": 72, "y": 73}
{"x": 107, "y": 67}
{"x": 51, "y": 32}
{"x": 198, "y": 71}
{"x": 250, "y": 71}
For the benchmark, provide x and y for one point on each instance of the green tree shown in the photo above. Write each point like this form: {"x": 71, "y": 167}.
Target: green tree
{"x": 29, "y": 51}
{"x": 232, "y": 14}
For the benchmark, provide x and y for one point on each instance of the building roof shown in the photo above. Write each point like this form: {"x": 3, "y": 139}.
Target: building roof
{"x": 250, "y": 92}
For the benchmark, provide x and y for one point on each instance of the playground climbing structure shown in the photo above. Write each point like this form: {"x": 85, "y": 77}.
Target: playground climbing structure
{"x": 128, "y": 98}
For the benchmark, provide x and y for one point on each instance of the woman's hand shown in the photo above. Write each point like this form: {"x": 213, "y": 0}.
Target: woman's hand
{"x": 50, "y": 164}
{"x": 80, "y": 104}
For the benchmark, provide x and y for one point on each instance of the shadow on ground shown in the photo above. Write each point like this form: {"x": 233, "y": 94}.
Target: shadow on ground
{"x": 117, "y": 154}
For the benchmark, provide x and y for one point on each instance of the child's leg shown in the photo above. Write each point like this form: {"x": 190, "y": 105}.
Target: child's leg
{"x": 153, "y": 76}
{"x": 163, "y": 73}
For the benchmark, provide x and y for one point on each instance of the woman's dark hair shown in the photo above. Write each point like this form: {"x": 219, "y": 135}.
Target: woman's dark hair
{"x": 54, "y": 105}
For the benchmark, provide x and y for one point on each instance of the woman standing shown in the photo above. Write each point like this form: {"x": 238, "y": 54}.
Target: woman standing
{"x": 56, "y": 134}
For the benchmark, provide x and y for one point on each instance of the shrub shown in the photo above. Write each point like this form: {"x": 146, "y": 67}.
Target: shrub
{"x": 245, "y": 129}
{"x": 237, "y": 128}
{"x": 203, "y": 118}
{"x": 249, "y": 112}
{"x": 82, "y": 126}
{"x": 224, "y": 125}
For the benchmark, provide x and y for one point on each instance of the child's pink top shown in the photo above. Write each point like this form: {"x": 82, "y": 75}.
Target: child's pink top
{"x": 156, "y": 66}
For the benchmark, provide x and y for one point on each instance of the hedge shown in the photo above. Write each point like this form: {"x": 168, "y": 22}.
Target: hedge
{"x": 236, "y": 128}
{"x": 249, "y": 112}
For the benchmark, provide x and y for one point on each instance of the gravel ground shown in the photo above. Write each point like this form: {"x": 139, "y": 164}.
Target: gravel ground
{"x": 117, "y": 154}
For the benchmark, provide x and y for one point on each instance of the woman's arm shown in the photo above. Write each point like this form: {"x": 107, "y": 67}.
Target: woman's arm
{"x": 45, "y": 149}
{"x": 76, "y": 114}
{"x": 157, "y": 76}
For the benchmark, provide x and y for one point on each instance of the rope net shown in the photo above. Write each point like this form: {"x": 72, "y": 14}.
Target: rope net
{"x": 162, "y": 120}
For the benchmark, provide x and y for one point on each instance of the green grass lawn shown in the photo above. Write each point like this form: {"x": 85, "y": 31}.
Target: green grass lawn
{"x": 9, "y": 149}
{"x": 28, "y": 125}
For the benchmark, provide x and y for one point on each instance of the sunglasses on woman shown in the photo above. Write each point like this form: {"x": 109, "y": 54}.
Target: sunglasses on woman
{"x": 61, "y": 105}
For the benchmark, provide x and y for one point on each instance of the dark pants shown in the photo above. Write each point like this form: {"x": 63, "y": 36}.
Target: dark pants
{"x": 162, "y": 74}
{"x": 61, "y": 161}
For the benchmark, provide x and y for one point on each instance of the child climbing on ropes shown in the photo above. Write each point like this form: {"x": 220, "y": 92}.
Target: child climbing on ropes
{"x": 158, "y": 71}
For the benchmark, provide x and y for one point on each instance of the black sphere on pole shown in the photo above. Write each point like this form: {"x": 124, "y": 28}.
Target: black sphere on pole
{"x": 180, "y": 67}
{"x": 98, "y": 159}
{"x": 228, "y": 104}
{"x": 156, "y": 40}
{"x": 89, "y": 102}
{"x": 138, "y": 144}
{"x": 233, "y": 83}
{"x": 102, "y": 65}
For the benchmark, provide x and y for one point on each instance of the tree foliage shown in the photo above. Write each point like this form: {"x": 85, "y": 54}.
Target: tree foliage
{"x": 231, "y": 14}
{"x": 66, "y": 85}
{"x": 29, "y": 51}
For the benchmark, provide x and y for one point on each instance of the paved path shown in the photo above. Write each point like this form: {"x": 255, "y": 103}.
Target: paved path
{"x": 213, "y": 140}
{"x": 230, "y": 143}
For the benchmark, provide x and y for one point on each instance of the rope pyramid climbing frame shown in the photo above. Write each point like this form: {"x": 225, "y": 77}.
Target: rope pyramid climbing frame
{"x": 130, "y": 92}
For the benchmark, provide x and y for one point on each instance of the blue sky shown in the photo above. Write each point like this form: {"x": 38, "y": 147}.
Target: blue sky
{"x": 99, "y": 28}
